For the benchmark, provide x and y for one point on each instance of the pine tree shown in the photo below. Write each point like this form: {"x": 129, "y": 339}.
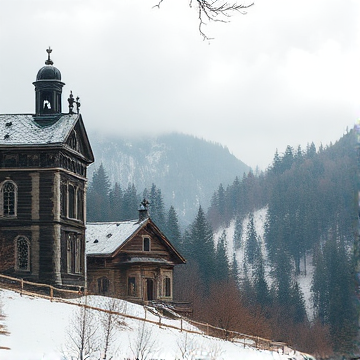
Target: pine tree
{"x": 202, "y": 248}
{"x": 172, "y": 229}
{"x": 234, "y": 270}
{"x": 333, "y": 294}
{"x": 131, "y": 203}
{"x": 98, "y": 205}
{"x": 237, "y": 238}
{"x": 157, "y": 211}
{"x": 222, "y": 261}
{"x": 298, "y": 304}
{"x": 116, "y": 199}
{"x": 261, "y": 287}
{"x": 252, "y": 249}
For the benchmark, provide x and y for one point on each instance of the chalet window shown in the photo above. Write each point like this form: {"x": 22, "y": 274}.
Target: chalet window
{"x": 22, "y": 253}
{"x": 146, "y": 244}
{"x": 167, "y": 286}
{"x": 131, "y": 286}
{"x": 9, "y": 199}
{"x": 73, "y": 254}
{"x": 103, "y": 285}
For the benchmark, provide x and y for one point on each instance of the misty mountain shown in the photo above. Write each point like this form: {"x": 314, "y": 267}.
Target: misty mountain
{"x": 186, "y": 169}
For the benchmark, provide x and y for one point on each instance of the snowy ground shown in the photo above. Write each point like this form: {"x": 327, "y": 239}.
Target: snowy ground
{"x": 40, "y": 329}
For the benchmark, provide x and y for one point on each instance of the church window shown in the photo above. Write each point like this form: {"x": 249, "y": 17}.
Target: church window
{"x": 9, "y": 199}
{"x": 80, "y": 205}
{"x": 72, "y": 201}
{"x": 146, "y": 244}
{"x": 73, "y": 253}
{"x": 103, "y": 285}
{"x": 131, "y": 286}
{"x": 63, "y": 199}
{"x": 167, "y": 286}
{"x": 22, "y": 253}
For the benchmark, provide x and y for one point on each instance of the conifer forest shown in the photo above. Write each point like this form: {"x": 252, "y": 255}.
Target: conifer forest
{"x": 310, "y": 197}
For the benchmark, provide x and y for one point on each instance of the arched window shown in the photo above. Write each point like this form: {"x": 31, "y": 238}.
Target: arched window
{"x": 9, "y": 199}
{"x": 22, "y": 254}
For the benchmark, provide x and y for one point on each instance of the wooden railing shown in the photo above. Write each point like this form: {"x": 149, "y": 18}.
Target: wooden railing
{"x": 200, "y": 328}
{"x": 44, "y": 290}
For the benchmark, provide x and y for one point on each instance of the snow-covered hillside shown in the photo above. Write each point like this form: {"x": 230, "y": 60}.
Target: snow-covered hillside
{"x": 40, "y": 329}
{"x": 305, "y": 277}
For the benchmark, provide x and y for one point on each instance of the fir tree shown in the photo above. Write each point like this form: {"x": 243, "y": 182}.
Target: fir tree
{"x": 252, "y": 249}
{"x": 116, "y": 199}
{"x": 222, "y": 261}
{"x": 157, "y": 211}
{"x": 261, "y": 287}
{"x": 131, "y": 203}
{"x": 202, "y": 248}
{"x": 172, "y": 230}
{"x": 237, "y": 238}
{"x": 234, "y": 270}
{"x": 98, "y": 205}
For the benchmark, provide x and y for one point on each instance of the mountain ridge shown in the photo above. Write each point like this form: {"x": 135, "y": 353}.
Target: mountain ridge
{"x": 186, "y": 169}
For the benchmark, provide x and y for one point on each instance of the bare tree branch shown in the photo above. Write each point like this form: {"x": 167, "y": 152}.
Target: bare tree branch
{"x": 81, "y": 335}
{"x": 143, "y": 343}
{"x": 214, "y": 10}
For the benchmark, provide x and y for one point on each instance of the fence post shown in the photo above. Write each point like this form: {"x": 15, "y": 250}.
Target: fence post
{"x": 181, "y": 325}
{"x": 51, "y": 293}
{"x": 207, "y": 329}
{"x": 22, "y": 286}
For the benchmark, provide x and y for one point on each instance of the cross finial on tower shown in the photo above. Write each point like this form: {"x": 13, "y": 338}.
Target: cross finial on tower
{"x": 49, "y": 61}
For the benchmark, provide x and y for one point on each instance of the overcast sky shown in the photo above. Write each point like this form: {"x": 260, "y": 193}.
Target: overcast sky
{"x": 287, "y": 73}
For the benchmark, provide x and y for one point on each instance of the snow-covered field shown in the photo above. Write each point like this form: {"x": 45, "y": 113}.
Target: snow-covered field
{"x": 41, "y": 329}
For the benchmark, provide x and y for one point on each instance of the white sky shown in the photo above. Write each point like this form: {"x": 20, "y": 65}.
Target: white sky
{"x": 288, "y": 72}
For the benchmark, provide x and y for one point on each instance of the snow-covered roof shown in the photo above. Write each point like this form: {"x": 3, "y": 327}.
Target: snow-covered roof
{"x": 23, "y": 130}
{"x": 105, "y": 237}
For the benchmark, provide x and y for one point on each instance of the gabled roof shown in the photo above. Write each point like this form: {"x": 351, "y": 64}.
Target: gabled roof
{"x": 107, "y": 238}
{"x": 22, "y": 130}
{"x": 104, "y": 238}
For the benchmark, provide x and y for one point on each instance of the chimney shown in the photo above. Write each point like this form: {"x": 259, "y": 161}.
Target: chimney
{"x": 143, "y": 210}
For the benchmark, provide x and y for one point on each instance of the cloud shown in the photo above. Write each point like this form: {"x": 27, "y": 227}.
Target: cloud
{"x": 276, "y": 76}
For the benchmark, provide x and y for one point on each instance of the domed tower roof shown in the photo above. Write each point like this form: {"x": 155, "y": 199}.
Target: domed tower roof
{"x": 48, "y": 72}
{"x": 48, "y": 88}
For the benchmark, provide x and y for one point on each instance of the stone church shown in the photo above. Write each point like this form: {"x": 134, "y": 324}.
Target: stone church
{"x": 43, "y": 179}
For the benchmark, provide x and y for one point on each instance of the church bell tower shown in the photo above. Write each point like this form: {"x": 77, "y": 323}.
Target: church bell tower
{"x": 48, "y": 89}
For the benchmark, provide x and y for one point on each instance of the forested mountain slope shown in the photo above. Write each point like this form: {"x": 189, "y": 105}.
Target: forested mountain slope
{"x": 311, "y": 206}
{"x": 185, "y": 168}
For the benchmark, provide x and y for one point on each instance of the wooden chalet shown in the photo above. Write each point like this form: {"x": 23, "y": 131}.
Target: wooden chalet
{"x": 43, "y": 164}
{"x": 132, "y": 260}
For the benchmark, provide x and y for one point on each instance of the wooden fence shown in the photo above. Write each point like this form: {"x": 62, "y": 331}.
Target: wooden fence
{"x": 52, "y": 293}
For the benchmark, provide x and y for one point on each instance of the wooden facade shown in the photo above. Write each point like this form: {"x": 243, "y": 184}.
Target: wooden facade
{"x": 43, "y": 164}
{"x": 138, "y": 267}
